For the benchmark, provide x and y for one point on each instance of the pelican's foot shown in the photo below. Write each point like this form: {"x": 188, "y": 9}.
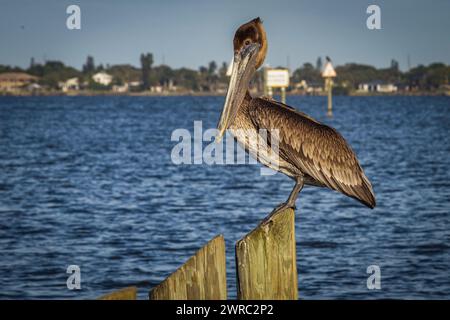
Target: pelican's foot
{"x": 281, "y": 207}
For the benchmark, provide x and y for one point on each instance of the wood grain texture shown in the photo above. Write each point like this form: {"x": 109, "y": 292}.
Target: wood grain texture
{"x": 129, "y": 293}
{"x": 202, "y": 277}
{"x": 266, "y": 260}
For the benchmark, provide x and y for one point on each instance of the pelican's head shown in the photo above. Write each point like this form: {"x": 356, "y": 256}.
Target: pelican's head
{"x": 250, "y": 47}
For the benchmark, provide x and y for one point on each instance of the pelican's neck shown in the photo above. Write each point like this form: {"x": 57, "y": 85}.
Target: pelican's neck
{"x": 242, "y": 109}
{"x": 248, "y": 97}
{"x": 246, "y": 102}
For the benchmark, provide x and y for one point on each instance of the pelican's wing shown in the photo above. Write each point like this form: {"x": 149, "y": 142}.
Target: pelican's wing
{"x": 316, "y": 149}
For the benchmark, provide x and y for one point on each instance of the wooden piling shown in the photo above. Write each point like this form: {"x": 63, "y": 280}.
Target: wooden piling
{"x": 329, "y": 87}
{"x": 202, "y": 277}
{"x": 129, "y": 293}
{"x": 266, "y": 260}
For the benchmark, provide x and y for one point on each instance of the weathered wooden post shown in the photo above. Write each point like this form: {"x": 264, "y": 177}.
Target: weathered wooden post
{"x": 266, "y": 260}
{"x": 202, "y": 277}
{"x": 328, "y": 73}
{"x": 283, "y": 94}
{"x": 129, "y": 293}
{"x": 329, "y": 89}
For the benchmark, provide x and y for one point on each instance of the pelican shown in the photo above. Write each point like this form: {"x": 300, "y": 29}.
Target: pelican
{"x": 309, "y": 152}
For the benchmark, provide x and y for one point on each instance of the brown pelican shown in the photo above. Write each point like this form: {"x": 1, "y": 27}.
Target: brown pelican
{"x": 309, "y": 152}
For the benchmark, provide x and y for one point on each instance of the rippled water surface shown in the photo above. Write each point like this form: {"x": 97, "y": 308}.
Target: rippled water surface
{"x": 90, "y": 181}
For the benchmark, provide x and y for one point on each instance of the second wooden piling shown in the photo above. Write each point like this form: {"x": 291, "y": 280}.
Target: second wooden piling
{"x": 202, "y": 277}
{"x": 266, "y": 260}
{"x": 129, "y": 293}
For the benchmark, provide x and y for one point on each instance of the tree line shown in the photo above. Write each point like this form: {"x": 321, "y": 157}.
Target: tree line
{"x": 350, "y": 75}
{"x": 212, "y": 77}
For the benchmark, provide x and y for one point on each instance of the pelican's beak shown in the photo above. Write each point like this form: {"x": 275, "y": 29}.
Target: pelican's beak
{"x": 244, "y": 63}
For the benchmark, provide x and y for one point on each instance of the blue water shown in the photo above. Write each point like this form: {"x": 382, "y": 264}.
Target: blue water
{"x": 89, "y": 181}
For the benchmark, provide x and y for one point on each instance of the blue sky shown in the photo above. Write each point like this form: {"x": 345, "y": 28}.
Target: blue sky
{"x": 191, "y": 33}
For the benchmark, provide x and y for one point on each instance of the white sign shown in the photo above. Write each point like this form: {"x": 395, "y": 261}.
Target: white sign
{"x": 277, "y": 78}
{"x": 328, "y": 71}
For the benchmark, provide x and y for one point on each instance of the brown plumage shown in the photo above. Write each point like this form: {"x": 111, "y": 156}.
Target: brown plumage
{"x": 309, "y": 152}
{"x": 316, "y": 150}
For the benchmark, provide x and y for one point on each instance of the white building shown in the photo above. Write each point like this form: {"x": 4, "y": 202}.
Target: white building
{"x": 69, "y": 84}
{"x": 102, "y": 78}
{"x": 310, "y": 88}
{"x": 120, "y": 88}
{"x": 377, "y": 86}
{"x": 134, "y": 84}
{"x": 156, "y": 89}
{"x": 386, "y": 88}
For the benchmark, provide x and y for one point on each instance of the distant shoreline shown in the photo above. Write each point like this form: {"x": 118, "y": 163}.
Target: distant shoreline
{"x": 202, "y": 94}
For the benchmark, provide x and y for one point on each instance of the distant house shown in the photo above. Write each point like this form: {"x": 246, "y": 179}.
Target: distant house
{"x": 377, "y": 86}
{"x": 14, "y": 81}
{"x": 156, "y": 89}
{"x": 120, "y": 88}
{"x": 314, "y": 88}
{"x": 69, "y": 84}
{"x": 134, "y": 86}
{"x": 310, "y": 88}
{"x": 302, "y": 85}
{"x": 363, "y": 87}
{"x": 402, "y": 87}
{"x": 102, "y": 78}
{"x": 34, "y": 87}
{"x": 171, "y": 86}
